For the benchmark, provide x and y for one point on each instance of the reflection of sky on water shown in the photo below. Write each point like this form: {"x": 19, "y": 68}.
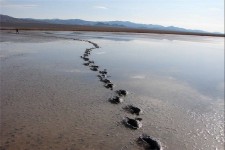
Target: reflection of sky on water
{"x": 194, "y": 60}
{"x": 201, "y": 65}
{"x": 177, "y": 80}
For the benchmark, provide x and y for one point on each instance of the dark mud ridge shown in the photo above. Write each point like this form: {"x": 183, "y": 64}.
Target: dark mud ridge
{"x": 149, "y": 142}
{"x": 133, "y": 123}
{"x": 144, "y": 140}
{"x": 133, "y": 110}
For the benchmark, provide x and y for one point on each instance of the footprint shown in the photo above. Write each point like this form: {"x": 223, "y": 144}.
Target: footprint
{"x": 116, "y": 100}
{"x": 149, "y": 142}
{"x": 132, "y": 123}
{"x": 103, "y": 72}
{"x": 122, "y": 92}
{"x": 133, "y": 110}
{"x": 109, "y": 86}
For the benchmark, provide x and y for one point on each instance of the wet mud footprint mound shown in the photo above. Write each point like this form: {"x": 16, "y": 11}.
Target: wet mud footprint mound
{"x": 122, "y": 92}
{"x": 132, "y": 123}
{"x": 88, "y": 63}
{"x": 104, "y": 72}
{"x": 133, "y": 110}
{"x": 116, "y": 100}
{"x": 105, "y": 80}
{"x": 85, "y": 58}
{"x": 94, "y": 67}
{"x": 149, "y": 143}
{"x": 109, "y": 86}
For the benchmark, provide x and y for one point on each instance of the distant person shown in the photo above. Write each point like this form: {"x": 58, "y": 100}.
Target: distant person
{"x": 17, "y": 31}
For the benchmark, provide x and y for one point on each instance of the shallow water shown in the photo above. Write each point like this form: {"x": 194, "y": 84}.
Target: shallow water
{"x": 51, "y": 101}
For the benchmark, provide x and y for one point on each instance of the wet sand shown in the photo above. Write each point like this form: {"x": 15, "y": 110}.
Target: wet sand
{"x": 49, "y": 100}
{"x": 53, "y": 105}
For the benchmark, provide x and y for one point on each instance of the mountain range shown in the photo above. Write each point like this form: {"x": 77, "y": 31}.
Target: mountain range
{"x": 117, "y": 24}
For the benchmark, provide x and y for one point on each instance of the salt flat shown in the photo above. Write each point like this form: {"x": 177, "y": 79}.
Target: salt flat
{"x": 50, "y": 100}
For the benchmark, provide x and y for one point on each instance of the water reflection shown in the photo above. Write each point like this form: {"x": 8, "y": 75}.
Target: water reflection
{"x": 178, "y": 81}
{"x": 200, "y": 65}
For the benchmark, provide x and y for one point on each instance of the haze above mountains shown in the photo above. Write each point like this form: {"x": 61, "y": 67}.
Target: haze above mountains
{"x": 118, "y": 24}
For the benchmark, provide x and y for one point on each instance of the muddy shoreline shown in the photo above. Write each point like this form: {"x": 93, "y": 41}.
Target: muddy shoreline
{"x": 33, "y": 115}
{"x": 52, "y": 98}
{"x": 53, "y": 27}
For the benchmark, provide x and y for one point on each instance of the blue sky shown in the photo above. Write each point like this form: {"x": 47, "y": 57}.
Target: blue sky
{"x": 206, "y": 15}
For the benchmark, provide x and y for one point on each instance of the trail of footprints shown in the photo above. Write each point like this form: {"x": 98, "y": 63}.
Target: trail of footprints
{"x": 147, "y": 141}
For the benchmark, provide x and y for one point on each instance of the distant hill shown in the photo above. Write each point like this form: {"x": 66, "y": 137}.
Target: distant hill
{"x": 120, "y": 24}
{"x": 126, "y": 24}
{"x": 8, "y": 19}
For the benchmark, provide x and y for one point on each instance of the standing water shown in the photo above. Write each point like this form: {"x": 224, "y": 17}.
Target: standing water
{"x": 177, "y": 81}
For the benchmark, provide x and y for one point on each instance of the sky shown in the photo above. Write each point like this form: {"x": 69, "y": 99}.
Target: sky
{"x": 207, "y": 15}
